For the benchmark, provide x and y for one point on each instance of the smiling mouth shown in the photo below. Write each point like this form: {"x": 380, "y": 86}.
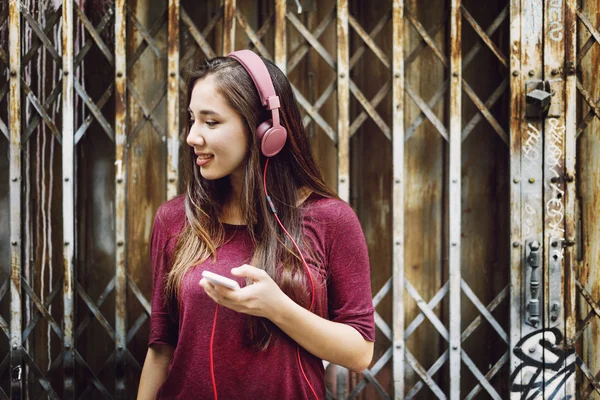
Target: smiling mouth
{"x": 204, "y": 159}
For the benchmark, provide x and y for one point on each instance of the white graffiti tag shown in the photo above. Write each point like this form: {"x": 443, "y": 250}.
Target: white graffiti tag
{"x": 545, "y": 367}
{"x": 555, "y": 205}
{"x": 530, "y": 144}
{"x": 555, "y": 20}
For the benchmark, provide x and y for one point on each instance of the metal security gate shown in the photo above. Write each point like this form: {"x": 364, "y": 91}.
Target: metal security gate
{"x": 465, "y": 135}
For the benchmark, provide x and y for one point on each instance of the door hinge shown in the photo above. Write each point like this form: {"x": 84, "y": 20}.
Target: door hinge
{"x": 533, "y": 263}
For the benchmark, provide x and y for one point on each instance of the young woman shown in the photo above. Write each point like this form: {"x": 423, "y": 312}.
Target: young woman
{"x": 257, "y": 211}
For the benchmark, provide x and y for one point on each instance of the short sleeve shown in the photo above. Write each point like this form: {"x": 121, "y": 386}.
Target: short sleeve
{"x": 349, "y": 283}
{"x": 163, "y": 328}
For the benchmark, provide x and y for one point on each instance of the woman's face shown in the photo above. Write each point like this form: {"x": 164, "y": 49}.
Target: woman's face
{"x": 217, "y": 133}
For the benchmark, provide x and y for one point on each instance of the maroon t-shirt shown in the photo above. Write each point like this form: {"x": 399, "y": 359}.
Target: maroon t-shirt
{"x": 337, "y": 243}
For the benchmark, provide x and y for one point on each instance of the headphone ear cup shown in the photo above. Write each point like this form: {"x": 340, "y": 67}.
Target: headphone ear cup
{"x": 271, "y": 139}
{"x": 263, "y": 128}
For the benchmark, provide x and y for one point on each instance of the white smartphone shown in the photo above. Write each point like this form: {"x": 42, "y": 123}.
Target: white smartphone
{"x": 217, "y": 279}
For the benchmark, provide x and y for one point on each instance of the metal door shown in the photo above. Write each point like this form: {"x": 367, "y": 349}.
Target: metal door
{"x": 552, "y": 310}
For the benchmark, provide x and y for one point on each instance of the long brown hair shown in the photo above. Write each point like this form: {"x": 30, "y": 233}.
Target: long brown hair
{"x": 293, "y": 168}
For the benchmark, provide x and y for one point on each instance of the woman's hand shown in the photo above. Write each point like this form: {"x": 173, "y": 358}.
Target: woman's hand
{"x": 262, "y": 298}
{"x": 332, "y": 341}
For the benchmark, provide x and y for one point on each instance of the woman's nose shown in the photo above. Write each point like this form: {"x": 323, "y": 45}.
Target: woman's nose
{"x": 195, "y": 137}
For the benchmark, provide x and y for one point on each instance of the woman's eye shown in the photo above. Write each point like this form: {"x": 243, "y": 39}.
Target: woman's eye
{"x": 191, "y": 121}
{"x": 211, "y": 123}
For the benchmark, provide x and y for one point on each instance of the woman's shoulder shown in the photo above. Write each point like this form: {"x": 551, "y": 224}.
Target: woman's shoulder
{"x": 170, "y": 215}
{"x": 329, "y": 211}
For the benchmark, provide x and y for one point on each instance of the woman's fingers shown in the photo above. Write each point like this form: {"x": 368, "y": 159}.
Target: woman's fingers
{"x": 205, "y": 285}
{"x": 248, "y": 271}
{"x": 248, "y": 300}
{"x": 218, "y": 293}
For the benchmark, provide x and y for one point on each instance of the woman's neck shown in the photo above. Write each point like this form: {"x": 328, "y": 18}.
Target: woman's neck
{"x": 231, "y": 212}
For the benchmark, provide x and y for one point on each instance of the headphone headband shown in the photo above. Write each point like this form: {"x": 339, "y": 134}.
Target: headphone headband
{"x": 271, "y": 133}
{"x": 260, "y": 76}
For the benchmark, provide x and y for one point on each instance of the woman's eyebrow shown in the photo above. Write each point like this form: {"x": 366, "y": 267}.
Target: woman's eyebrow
{"x": 208, "y": 112}
{"x": 205, "y": 112}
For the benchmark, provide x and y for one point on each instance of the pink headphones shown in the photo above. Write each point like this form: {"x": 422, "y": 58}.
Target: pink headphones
{"x": 270, "y": 133}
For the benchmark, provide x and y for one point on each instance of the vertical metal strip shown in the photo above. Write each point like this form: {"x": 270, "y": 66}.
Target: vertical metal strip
{"x": 14, "y": 115}
{"x": 120, "y": 194}
{"x": 398, "y": 195}
{"x": 229, "y": 27}
{"x": 454, "y": 197}
{"x": 280, "y": 35}
{"x": 173, "y": 101}
{"x": 516, "y": 250}
{"x": 554, "y": 184}
{"x": 343, "y": 98}
{"x": 68, "y": 143}
{"x": 527, "y": 297}
{"x": 570, "y": 260}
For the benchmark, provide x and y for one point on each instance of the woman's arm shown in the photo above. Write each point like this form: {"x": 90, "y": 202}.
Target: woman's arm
{"x": 332, "y": 341}
{"x": 154, "y": 371}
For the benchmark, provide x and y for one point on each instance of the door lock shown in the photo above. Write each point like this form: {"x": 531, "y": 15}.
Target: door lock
{"x": 537, "y": 101}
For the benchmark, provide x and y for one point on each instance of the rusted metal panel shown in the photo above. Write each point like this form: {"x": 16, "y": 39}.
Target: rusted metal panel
{"x": 200, "y": 37}
{"x": 398, "y": 196}
{"x": 369, "y": 41}
{"x": 343, "y": 98}
{"x": 424, "y": 193}
{"x": 588, "y": 273}
{"x": 556, "y": 184}
{"x": 120, "y": 196}
{"x": 516, "y": 252}
{"x": 454, "y": 208}
{"x": 484, "y": 205}
{"x": 68, "y": 173}
{"x": 554, "y": 164}
{"x": 14, "y": 125}
{"x": 527, "y": 178}
{"x": 280, "y": 35}
{"x": 151, "y": 102}
{"x": 302, "y": 49}
{"x": 173, "y": 109}
{"x": 253, "y": 36}
{"x": 229, "y": 26}
{"x": 372, "y": 181}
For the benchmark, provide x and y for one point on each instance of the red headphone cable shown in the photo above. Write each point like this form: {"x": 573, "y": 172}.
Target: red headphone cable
{"x": 312, "y": 288}
{"x": 212, "y": 365}
{"x": 312, "y": 285}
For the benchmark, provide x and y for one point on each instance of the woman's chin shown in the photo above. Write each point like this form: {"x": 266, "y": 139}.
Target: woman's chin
{"x": 209, "y": 175}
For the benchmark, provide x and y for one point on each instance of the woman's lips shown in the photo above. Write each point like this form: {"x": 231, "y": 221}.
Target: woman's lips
{"x": 203, "y": 160}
